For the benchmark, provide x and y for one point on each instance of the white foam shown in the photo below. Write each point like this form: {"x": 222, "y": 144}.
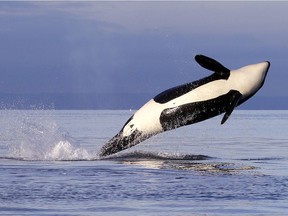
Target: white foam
{"x": 64, "y": 150}
{"x": 33, "y": 136}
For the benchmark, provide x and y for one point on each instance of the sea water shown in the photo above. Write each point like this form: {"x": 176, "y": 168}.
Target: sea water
{"x": 49, "y": 165}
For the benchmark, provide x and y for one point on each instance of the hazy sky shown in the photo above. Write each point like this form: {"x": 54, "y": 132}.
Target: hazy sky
{"x": 136, "y": 47}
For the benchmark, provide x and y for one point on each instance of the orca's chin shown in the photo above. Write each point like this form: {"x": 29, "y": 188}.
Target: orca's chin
{"x": 119, "y": 143}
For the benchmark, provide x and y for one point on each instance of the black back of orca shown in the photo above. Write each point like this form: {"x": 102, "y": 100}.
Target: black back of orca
{"x": 191, "y": 113}
{"x": 180, "y": 90}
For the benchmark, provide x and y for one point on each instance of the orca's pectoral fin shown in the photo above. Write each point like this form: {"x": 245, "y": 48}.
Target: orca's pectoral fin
{"x": 213, "y": 65}
{"x": 235, "y": 97}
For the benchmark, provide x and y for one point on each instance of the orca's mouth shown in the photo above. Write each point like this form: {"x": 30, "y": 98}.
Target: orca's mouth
{"x": 119, "y": 143}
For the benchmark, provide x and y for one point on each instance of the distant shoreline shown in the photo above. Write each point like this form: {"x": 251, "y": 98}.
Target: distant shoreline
{"x": 93, "y": 101}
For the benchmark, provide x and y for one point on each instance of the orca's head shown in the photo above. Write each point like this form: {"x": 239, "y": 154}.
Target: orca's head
{"x": 250, "y": 79}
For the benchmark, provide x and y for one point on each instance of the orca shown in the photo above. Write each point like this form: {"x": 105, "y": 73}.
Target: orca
{"x": 190, "y": 103}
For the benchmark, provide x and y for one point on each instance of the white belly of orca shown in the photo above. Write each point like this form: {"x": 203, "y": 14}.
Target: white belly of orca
{"x": 190, "y": 103}
{"x": 146, "y": 117}
{"x": 205, "y": 92}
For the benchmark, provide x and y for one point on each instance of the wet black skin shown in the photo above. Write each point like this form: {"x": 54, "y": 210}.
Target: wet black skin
{"x": 191, "y": 113}
{"x": 120, "y": 143}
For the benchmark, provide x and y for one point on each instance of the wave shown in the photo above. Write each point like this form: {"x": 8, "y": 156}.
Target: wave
{"x": 263, "y": 159}
{"x": 163, "y": 156}
{"x": 177, "y": 161}
{"x": 66, "y": 151}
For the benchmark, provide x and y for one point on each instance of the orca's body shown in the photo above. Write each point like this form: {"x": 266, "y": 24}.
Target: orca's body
{"x": 190, "y": 103}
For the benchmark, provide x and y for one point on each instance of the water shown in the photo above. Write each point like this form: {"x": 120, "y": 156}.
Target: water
{"x": 49, "y": 166}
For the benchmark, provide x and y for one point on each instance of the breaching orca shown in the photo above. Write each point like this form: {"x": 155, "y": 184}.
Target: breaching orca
{"x": 190, "y": 103}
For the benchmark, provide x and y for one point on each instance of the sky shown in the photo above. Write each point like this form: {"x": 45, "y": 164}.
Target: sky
{"x": 143, "y": 47}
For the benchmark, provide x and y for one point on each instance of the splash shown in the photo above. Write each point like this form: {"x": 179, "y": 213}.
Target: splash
{"x": 31, "y": 136}
{"x": 64, "y": 150}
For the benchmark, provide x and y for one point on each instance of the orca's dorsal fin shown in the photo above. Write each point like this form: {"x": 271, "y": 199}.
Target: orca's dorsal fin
{"x": 234, "y": 99}
{"x": 213, "y": 65}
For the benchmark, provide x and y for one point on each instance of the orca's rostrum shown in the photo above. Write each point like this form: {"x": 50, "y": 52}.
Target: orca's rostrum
{"x": 190, "y": 103}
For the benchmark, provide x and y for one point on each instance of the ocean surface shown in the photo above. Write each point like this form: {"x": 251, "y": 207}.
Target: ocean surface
{"x": 49, "y": 165}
